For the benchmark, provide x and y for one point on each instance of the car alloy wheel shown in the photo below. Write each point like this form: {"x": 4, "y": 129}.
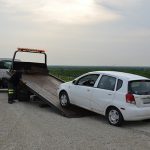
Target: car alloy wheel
{"x": 64, "y": 99}
{"x": 114, "y": 117}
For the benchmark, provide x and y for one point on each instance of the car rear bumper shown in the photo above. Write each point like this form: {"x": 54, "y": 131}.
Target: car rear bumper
{"x": 135, "y": 113}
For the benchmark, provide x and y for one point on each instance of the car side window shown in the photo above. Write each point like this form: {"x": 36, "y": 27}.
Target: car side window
{"x": 88, "y": 80}
{"x": 107, "y": 83}
{"x": 119, "y": 84}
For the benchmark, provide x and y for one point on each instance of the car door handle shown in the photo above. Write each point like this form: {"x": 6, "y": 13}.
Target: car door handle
{"x": 109, "y": 94}
{"x": 88, "y": 90}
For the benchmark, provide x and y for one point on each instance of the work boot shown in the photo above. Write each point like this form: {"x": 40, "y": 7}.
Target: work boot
{"x": 10, "y": 102}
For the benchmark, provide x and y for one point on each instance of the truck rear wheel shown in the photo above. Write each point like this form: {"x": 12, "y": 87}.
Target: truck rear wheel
{"x": 23, "y": 94}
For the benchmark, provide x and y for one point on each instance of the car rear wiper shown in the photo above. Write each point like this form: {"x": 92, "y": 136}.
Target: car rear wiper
{"x": 146, "y": 92}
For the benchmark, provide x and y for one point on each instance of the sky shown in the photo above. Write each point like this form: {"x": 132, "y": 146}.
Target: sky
{"x": 78, "y": 32}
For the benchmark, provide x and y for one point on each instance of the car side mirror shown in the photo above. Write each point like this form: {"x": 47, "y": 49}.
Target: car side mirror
{"x": 74, "y": 82}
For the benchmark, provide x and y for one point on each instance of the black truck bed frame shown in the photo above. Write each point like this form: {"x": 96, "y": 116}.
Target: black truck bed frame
{"x": 37, "y": 80}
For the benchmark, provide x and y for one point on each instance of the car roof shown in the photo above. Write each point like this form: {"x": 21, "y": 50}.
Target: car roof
{"x": 5, "y": 59}
{"x": 8, "y": 59}
{"x": 122, "y": 75}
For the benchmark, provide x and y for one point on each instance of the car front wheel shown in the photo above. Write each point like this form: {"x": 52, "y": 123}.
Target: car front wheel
{"x": 114, "y": 117}
{"x": 64, "y": 99}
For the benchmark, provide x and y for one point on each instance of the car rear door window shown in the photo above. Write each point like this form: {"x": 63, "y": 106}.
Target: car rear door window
{"x": 88, "y": 80}
{"x": 119, "y": 84}
{"x": 107, "y": 83}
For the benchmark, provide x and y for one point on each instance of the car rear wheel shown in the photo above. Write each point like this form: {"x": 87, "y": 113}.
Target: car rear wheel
{"x": 114, "y": 117}
{"x": 64, "y": 99}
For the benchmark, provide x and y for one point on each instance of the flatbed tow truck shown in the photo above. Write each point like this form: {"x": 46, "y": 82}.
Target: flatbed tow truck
{"x": 37, "y": 82}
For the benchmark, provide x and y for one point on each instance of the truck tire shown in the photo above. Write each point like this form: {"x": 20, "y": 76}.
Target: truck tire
{"x": 23, "y": 95}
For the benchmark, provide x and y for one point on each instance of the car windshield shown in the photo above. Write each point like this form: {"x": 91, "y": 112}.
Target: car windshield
{"x": 140, "y": 87}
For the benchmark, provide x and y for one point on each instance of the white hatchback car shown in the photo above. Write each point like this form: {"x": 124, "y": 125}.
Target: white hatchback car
{"x": 117, "y": 95}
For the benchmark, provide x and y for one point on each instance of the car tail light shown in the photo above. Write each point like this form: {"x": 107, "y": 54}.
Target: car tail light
{"x": 130, "y": 98}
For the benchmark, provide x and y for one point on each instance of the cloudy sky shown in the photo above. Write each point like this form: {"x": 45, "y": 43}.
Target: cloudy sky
{"x": 78, "y": 32}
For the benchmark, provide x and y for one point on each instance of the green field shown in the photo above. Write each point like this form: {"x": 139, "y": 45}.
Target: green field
{"x": 68, "y": 73}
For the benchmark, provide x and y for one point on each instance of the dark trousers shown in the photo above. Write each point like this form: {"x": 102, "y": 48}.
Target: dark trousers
{"x": 11, "y": 92}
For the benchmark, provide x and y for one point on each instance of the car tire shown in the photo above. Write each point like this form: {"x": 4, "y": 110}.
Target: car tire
{"x": 114, "y": 117}
{"x": 64, "y": 99}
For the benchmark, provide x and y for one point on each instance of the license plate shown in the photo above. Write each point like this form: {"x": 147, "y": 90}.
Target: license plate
{"x": 146, "y": 100}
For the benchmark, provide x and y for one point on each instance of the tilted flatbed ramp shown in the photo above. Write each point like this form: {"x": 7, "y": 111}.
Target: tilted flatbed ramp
{"x": 45, "y": 87}
{"x": 36, "y": 79}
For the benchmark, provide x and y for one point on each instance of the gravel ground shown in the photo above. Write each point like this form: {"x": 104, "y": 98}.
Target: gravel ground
{"x": 25, "y": 126}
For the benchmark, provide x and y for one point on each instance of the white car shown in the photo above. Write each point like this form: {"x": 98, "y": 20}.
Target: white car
{"x": 117, "y": 95}
{"x": 5, "y": 65}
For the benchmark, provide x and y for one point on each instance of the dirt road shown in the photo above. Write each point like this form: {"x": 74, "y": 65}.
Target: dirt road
{"x": 25, "y": 126}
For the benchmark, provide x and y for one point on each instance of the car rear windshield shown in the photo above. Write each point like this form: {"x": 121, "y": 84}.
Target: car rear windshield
{"x": 140, "y": 87}
{"x": 5, "y": 64}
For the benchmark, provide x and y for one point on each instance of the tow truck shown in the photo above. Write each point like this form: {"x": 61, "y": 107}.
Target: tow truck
{"x": 37, "y": 82}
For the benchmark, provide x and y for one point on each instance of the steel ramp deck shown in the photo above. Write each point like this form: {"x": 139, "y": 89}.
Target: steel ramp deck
{"x": 45, "y": 87}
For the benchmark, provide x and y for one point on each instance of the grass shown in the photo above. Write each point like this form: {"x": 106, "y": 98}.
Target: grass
{"x": 68, "y": 73}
